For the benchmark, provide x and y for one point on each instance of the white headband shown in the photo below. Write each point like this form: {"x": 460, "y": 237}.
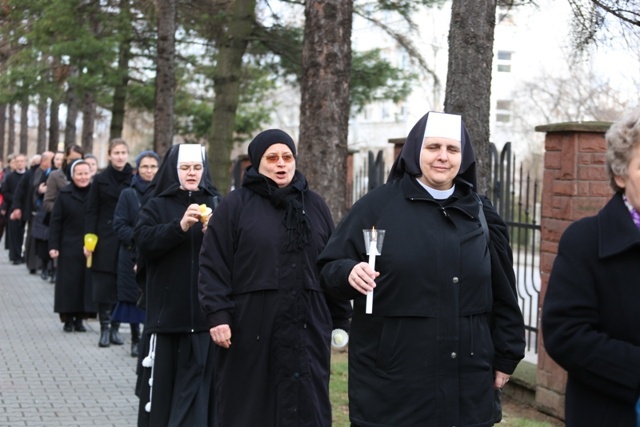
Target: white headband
{"x": 190, "y": 153}
{"x": 443, "y": 125}
{"x": 74, "y": 164}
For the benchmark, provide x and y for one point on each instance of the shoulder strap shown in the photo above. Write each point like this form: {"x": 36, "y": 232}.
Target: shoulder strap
{"x": 483, "y": 219}
{"x": 135, "y": 193}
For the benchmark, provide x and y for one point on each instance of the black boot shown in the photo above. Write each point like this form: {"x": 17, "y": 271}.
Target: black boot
{"x": 78, "y": 326}
{"x": 104, "y": 314}
{"x": 115, "y": 336}
{"x": 68, "y": 326}
{"x": 135, "y": 339}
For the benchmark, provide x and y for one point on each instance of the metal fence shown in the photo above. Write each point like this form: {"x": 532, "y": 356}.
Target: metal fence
{"x": 516, "y": 197}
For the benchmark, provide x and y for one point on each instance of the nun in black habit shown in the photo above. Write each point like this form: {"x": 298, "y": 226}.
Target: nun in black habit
{"x": 175, "y": 382}
{"x": 445, "y": 330}
{"x": 260, "y": 292}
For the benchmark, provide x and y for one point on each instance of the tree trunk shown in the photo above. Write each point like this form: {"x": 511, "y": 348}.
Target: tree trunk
{"x": 42, "y": 125}
{"x": 120, "y": 90}
{"x": 324, "y": 108}
{"x": 54, "y": 124}
{"x": 468, "y": 90}
{"x": 165, "y": 76}
{"x": 72, "y": 115}
{"x": 88, "y": 121}
{"x": 226, "y": 84}
{"x": 24, "y": 125}
{"x": 13, "y": 148}
{"x": 3, "y": 125}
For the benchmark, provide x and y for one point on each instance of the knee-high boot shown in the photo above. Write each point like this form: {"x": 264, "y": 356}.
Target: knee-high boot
{"x": 114, "y": 335}
{"x": 135, "y": 339}
{"x": 104, "y": 315}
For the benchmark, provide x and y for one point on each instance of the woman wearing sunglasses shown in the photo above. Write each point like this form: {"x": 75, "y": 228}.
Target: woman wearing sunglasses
{"x": 260, "y": 292}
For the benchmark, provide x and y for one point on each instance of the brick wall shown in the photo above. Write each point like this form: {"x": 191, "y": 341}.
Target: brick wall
{"x": 575, "y": 185}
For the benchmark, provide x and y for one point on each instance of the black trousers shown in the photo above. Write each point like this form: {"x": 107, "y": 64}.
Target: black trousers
{"x": 15, "y": 236}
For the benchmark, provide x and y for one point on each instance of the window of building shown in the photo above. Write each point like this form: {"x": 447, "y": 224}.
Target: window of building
{"x": 503, "y": 118}
{"x": 504, "y": 61}
{"x": 503, "y": 110}
{"x": 503, "y": 104}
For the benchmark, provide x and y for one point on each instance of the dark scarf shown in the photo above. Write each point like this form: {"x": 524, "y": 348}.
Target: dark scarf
{"x": 119, "y": 176}
{"x": 140, "y": 184}
{"x": 83, "y": 192}
{"x": 289, "y": 198}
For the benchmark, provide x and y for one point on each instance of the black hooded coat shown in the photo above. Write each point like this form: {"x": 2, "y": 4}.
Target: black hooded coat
{"x": 445, "y": 310}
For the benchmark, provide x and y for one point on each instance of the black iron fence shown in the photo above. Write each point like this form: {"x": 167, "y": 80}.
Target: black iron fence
{"x": 516, "y": 196}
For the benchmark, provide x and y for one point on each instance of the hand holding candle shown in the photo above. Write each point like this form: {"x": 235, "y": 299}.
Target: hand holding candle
{"x": 90, "y": 242}
{"x": 373, "y": 242}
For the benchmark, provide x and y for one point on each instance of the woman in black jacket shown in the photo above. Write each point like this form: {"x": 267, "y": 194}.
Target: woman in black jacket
{"x": 590, "y": 316}
{"x": 72, "y": 296}
{"x": 260, "y": 292}
{"x": 445, "y": 330}
{"x": 103, "y": 197}
{"x": 125, "y": 218}
{"x": 175, "y": 385}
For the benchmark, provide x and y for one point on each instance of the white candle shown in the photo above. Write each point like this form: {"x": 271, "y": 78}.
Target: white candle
{"x": 373, "y": 251}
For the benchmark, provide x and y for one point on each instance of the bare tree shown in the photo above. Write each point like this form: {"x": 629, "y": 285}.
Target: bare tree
{"x": 324, "y": 107}
{"x": 590, "y": 20}
{"x": 468, "y": 89}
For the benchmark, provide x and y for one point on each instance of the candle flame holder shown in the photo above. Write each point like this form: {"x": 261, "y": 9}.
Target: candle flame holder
{"x": 373, "y": 235}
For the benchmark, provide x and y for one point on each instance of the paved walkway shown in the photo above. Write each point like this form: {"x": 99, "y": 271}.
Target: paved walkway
{"x": 51, "y": 378}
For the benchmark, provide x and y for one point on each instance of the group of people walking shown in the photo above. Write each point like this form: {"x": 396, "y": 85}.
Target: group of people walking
{"x": 51, "y": 207}
{"x": 239, "y": 295}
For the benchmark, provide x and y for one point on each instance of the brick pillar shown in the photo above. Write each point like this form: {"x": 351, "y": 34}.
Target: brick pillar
{"x": 575, "y": 185}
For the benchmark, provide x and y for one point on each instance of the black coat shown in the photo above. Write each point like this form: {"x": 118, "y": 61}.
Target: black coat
{"x": 445, "y": 310}
{"x": 171, "y": 256}
{"x": 9, "y": 187}
{"x": 591, "y": 320}
{"x": 125, "y": 218}
{"x": 276, "y": 372}
{"x": 66, "y": 234}
{"x": 103, "y": 198}
{"x": 26, "y": 194}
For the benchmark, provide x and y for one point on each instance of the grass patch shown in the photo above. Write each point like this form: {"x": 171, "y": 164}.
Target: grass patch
{"x": 338, "y": 389}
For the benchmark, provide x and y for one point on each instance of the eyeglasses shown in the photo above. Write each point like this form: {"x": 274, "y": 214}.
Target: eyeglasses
{"x": 186, "y": 168}
{"x": 273, "y": 158}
